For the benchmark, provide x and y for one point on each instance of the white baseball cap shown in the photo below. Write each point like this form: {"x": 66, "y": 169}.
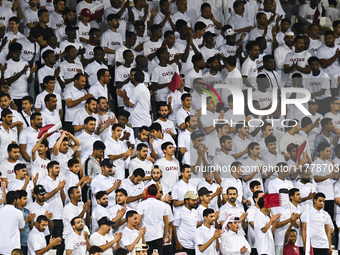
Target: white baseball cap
{"x": 229, "y": 32}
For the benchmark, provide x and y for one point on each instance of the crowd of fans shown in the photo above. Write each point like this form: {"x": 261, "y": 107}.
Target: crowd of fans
{"x": 148, "y": 161}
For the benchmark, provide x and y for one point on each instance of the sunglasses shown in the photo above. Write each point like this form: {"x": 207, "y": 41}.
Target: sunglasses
{"x": 141, "y": 28}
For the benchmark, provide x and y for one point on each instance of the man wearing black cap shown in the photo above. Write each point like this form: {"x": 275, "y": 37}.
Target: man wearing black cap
{"x": 39, "y": 207}
{"x": 103, "y": 237}
{"x": 105, "y": 182}
{"x": 205, "y": 197}
{"x": 238, "y": 22}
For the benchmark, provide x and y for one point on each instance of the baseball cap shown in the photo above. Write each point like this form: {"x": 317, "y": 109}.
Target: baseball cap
{"x": 157, "y": 167}
{"x": 141, "y": 247}
{"x": 85, "y": 12}
{"x": 237, "y": 2}
{"x": 121, "y": 190}
{"x": 108, "y": 163}
{"x": 313, "y": 100}
{"x": 190, "y": 194}
{"x": 105, "y": 221}
{"x": 70, "y": 28}
{"x": 207, "y": 34}
{"x": 230, "y": 32}
{"x": 286, "y": 19}
{"x": 39, "y": 190}
{"x": 289, "y": 33}
{"x": 203, "y": 191}
{"x": 2, "y": 24}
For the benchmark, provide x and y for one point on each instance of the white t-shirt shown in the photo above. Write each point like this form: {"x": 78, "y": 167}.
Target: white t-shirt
{"x": 317, "y": 83}
{"x": 249, "y": 69}
{"x": 170, "y": 170}
{"x": 132, "y": 191}
{"x": 39, "y": 166}
{"x": 63, "y": 159}
{"x": 114, "y": 147}
{"x": 99, "y": 183}
{"x": 302, "y": 60}
{"x": 306, "y": 12}
{"x": 42, "y": 73}
{"x": 264, "y": 241}
{"x": 92, "y": 69}
{"x": 74, "y": 94}
{"x": 325, "y": 52}
{"x": 99, "y": 240}
{"x": 202, "y": 236}
{"x": 178, "y": 191}
{"x": 69, "y": 70}
{"x": 70, "y": 211}
{"x": 18, "y": 89}
{"x": 76, "y": 243}
{"x": 140, "y": 112}
{"x": 36, "y": 241}
{"x": 129, "y": 236}
{"x": 113, "y": 41}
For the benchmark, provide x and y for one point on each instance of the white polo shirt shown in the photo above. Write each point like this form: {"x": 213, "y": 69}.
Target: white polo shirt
{"x": 249, "y": 69}
{"x": 63, "y": 159}
{"x": 178, "y": 191}
{"x": 157, "y": 144}
{"x": 18, "y": 89}
{"x": 129, "y": 236}
{"x": 17, "y": 184}
{"x": 305, "y": 189}
{"x": 29, "y": 137}
{"x": 102, "y": 183}
{"x": 236, "y": 210}
{"x": 222, "y": 163}
{"x": 202, "y": 236}
{"x": 69, "y": 212}
{"x": 98, "y": 90}
{"x": 50, "y": 117}
{"x": 239, "y": 145}
{"x": 39, "y": 166}
{"x": 316, "y": 226}
{"x": 86, "y": 147}
{"x": 55, "y": 202}
{"x": 74, "y": 94}
{"x": 153, "y": 212}
{"x": 92, "y": 69}
{"x": 140, "y": 113}
{"x": 40, "y": 100}
{"x": 211, "y": 187}
{"x": 99, "y": 240}
{"x": 275, "y": 185}
{"x": 36, "y": 241}
{"x": 132, "y": 191}
{"x": 6, "y": 138}
{"x": 40, "y": 210}
{"x": 114, "y": 147}
{"x": 323, "y": 168}
{"x": 76, "y": 243}
{"x": 264, "y": 241}
{"x": 250, "y": 218}
{"x": 11, "y": 220}
{"x": 170, "y": 170}
{"x": 146, "y": 165}
{"x": 99, "y": 213}
{"x": 186, "y": 222}
{"x": 232, "y": 182}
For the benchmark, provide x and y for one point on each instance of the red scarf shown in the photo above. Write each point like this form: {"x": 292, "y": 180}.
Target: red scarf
{"x": 148, "y": 195}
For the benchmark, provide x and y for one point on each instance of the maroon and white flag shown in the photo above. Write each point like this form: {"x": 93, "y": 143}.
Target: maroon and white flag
{"x": 275, "y": 200}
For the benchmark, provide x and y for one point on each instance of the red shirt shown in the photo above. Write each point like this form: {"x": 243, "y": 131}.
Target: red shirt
{"x": 290, "y": 249}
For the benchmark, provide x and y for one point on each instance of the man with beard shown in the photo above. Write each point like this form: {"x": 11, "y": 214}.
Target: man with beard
{"x": 76, "y": 242}
{"x": 121, "y": 197}
{"x": 329, "y": 55}
{"x": 56, "y": 197}
{"x": 280, "y": 54}
{"x": 141, "y": 161}
{"x": 102, "y": 210}
{"x": 103, "y": 77}
{"x": 28, "y": 137}
{"x": 8, "y": 135}
{"x": 105, "y": 118}
{"x": 97, "y": 64}
{"x": 167, "y": 125}
{"x": 307, "y": 188}
{"x": 297, "y": 61}
{"x": 68, "y": 17}
{"x": 223, "y": 158}
{"x": 249, "y": 67}
{"x": 105, "y": 182}
{"x": 40, "y": 207}
{"x": 104, "y": 238}
{"x": 185, "y": 223}
{"x": 87, "y": 139}
{"x": 50, "y": 113}
{"x": 184, "y": 137}
{"x": 206, "y": 237}
{"x": 5, "y": 101}
{"x": 143, "y": 137}
{"x": 131, "y": 236}
{"x": 75, "y": 208}
{"x": 82, "y": 114}
{"x": 272, "y": 75}
{"x": 156, "y": 175}
{"x": 181, "y": 187}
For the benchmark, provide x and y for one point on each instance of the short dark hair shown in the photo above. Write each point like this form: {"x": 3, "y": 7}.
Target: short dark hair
{"x": 250, "y": 45}
{"x": 72, "y": 162}
{"x": 71, "y": 190}
{"x": 48, "y": 78}
{"x": 19, "y": 166}
{"x": 139, "y": 172}
{"x": 252, "y": 145}
{"x": 232, "y": 188}
{"x": 42, "y": 11}
{"x": 95, "y": 249}
{"x": 322, "y": 146}
{"x": 99, "y": 145}
{"x": 199, "y": 25}
{"x": 312, "y": 59}
{"x": 208, "y": 211}
{"x": 165, "y": 145}
{"x": 73, "y": 221}
{"x": 224, "y": 138}
{"x": 12, "y": 146}
{"x": 254, "y": 183}
{"x": 270, "y": 139}
{"x": 256, "y": 194}
{"x": 28, "y": 98}
{"x": 306, "y": 121}
{"x": 115, "y": 126}
{"x": 183, "y": 167}
{"x": 130, "y": 214}
{"x": 11, "y": 196}
{"x": 42, "y": 218}
{"x": 21, "y": 193}
{"x": 88, "y": 119}
{"x": 152, "y": 190}
{"x": 141, "y": 146}
{"x": 100, "y": 194}
{"x": 51, "y": 164}
{"x": 101, "y": 73}
{"x": 292, "y": 192}
{"x": 156, "y": 126}
{"x": 139, "y": 76}
{"x": 48, "y": 97}
{"x": 46, "y": 53}
{"x": 319, "y": 194}
{"x": 35, "y": 114}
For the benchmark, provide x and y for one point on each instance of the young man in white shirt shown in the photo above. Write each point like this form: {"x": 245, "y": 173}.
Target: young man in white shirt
{"x": 153, "y": 214}
{"x": 320, "y": 229}
{"x": 131, "y": 236}
{"x": 206, "y": 237}
{"x": 26, "y": 112}
{"x": 181, "y": 187}
{"x": 196, "y": 72}
{"x": 39, "y": 158}
{"x": 167, "y": 125}
{"x": 115, "y": 151}
{"x": 36, "y": 240}
{"x": 185, "y": 224}
{"x": 8, "y": 135}
{"x": 183, "y": 112}
{"x": 264, "y": 227}
{"x": 232, "y": 241}
{"x": 158, "y": 138}
{"x": 7, "y": 165}
{"x": 249, "y": 67}
{"x": 142, "y": 161}
{"x": 56, "y": 197}
{"x": 82, "y": 114}
{"x": 104, "y": 238}
{"x": 92, "y": 69}
{"x": 76, "y": 242}
{"x": 11, "y": 222}
{"x": 105, "y": 118}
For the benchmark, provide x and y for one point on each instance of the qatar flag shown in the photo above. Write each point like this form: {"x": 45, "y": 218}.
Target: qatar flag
{"x": 97, "y": 12}
{"x": 275, "y": 200}
{"x": 301, "y": 147}
{"x": 50, "y": 129}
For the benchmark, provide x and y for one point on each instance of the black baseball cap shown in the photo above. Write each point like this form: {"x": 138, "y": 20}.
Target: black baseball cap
{"x": 121, "y": 190}
{"x": 196, "y": 134}
{"x": 105, "y": 221}
{"x": 238, "y": 2}
{"x": 70, "y": 28}
{"x": 203, "y": 191}
{"x": 108, "y": 163}
{"x": 313, "y": 100}
{"x": 207, "y": 34}
{"x": 39, "y": 190}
